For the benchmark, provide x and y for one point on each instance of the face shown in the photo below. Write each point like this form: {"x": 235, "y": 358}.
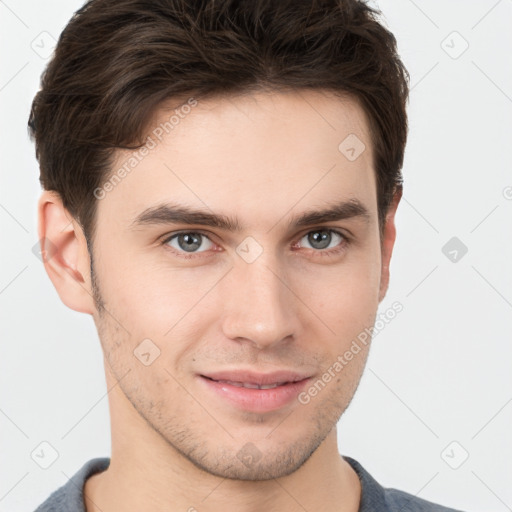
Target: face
{"x": 219, "y": 324}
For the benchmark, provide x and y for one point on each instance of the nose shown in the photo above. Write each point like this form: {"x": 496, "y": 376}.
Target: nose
{"x": 259, "y": 304}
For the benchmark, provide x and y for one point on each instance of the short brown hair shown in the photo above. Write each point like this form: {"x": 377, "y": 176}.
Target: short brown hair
{"x": 118, "y": 60}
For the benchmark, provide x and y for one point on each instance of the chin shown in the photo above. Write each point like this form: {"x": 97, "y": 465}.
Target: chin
{"x": 252, "y": 464}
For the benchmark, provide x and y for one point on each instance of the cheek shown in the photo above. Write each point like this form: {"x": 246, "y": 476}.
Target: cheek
{"x": 345, "y": 296}
{"x": 155, "y": 300}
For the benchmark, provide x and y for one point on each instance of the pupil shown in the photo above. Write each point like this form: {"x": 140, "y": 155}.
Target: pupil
{"x": 322, "y": 238}
{"x": 192, "y": 241}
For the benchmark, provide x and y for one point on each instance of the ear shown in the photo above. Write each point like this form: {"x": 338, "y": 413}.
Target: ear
{"x": 64, "y": 253}
{"x": 388, "y": 242}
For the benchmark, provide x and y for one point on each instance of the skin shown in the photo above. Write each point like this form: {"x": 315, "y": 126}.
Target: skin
{"x": 263, "y": 158}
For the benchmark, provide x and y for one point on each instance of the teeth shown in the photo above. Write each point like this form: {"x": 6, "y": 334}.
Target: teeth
{"x": 246, "y": 385}
{"x": 250, "y": 385}
{"x": 270, "y": 386}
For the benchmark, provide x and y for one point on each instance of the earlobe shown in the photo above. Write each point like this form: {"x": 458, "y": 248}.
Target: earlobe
{"x": 388, "y": 242}
{"x": 64, "y": 253}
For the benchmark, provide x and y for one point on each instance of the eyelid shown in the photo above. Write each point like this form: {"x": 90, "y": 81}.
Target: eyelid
{"x": 340, "y": 231}
{"x": 165, "y": 238}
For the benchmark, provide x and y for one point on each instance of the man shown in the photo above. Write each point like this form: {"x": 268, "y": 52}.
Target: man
{"x": 220, "y": 185}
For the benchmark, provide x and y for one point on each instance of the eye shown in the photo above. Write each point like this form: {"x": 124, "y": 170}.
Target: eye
{"x": 323, "y": 242}
{"x": 321, "y": 239}
{"x": 189, "y": 242}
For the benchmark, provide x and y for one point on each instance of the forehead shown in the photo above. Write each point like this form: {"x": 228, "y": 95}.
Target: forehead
{"x": 260, "y": 154}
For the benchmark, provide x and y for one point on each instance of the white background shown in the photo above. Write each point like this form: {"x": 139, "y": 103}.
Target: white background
{"x": 439, "y": 372}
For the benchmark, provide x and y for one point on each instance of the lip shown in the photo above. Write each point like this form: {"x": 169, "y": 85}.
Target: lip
{"x": 228, "y": 386}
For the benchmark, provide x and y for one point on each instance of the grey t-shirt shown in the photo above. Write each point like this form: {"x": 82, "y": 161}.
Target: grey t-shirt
{"x": 374, "y": 497}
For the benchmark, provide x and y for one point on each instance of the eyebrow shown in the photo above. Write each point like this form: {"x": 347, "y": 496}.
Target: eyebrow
{"x": 169, "y": 213}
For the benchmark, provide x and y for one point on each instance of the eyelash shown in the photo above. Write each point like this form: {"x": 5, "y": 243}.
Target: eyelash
{"x": 318, "y": 253}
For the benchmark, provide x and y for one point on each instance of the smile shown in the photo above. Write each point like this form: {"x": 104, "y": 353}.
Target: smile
{"x": 251, "y": 385}
{"x": 255, "y": 392}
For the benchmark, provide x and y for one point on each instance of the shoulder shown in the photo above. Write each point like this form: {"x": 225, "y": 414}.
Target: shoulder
{"x": 376, "y": 497}
{"x": 70, "y": 495}
{"x": 400, "y": 500}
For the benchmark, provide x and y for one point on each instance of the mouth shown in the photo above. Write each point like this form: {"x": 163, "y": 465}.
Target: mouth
{"x": 248, "y": 385}
{"x": 257, "y": 392}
